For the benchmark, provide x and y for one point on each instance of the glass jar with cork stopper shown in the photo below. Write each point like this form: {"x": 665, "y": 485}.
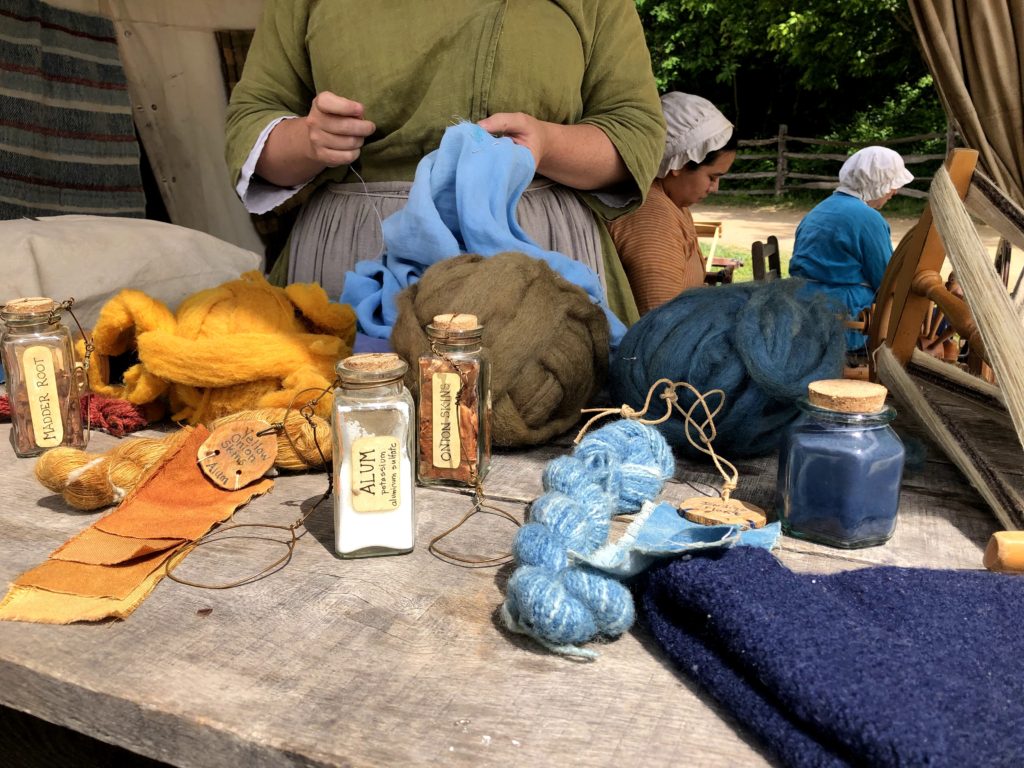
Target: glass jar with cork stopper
{"x": 372, "y": 437}
{"x": 840, "y": 466}
{"x": 43, "y": 382}
{"x": 454, "y": 404}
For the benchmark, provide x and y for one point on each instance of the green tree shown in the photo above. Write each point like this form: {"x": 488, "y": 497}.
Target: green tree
{"x": 823, "y": 67}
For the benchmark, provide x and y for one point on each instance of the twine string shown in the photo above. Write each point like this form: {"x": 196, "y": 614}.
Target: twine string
{"x": 705, "y": 429}
{"x": 376, "y": 212}
{"x": 307, "y": 411}
{"x": 628, "y": 412}
{"x": 80, "y": 374}
{"x": 480, "y": 503}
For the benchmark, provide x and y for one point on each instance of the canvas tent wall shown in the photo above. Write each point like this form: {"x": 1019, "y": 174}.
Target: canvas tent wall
{"x": 974, "y": 51}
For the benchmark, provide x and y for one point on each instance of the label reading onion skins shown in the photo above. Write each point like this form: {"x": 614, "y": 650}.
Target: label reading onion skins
{"x": 43, "y": 401}
{"x": 376, "y": 464}
{"x": 447, "y": 453}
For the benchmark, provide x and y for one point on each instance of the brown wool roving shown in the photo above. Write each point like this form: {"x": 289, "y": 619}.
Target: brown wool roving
{"x": 548, "y": 343}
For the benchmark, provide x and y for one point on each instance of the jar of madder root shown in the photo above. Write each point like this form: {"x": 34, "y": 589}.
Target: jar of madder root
{"x": 42, "y": 379}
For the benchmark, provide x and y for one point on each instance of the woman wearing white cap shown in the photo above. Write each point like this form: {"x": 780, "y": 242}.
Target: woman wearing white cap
{"x": 844, "y": 244}
{"x": 657, "y": 243}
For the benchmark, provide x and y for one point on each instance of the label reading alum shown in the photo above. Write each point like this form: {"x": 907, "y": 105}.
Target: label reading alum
{"x": 445, "y": 425}
{"x": 376, "y": 464}
{"x": 43, "y": 401}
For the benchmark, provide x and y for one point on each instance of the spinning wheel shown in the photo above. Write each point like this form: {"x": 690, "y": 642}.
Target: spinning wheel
{"x": 938, "y": 335}
{"x": 916, "y": 308}
{"x": 979, "y": 425}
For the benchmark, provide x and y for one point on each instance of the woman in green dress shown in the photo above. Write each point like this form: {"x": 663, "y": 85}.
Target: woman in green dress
{"x": 344, "y": 98}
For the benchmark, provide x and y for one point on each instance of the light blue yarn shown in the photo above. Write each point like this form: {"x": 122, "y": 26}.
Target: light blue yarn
{"x": 551, "y": 596}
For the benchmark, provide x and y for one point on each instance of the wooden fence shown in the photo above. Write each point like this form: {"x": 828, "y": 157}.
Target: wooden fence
{"x": 781, "y": 149}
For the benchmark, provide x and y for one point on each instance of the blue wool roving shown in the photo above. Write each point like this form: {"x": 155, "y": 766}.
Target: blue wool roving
{"x": 562, "y": 604}
{"x": 758, "y": 342}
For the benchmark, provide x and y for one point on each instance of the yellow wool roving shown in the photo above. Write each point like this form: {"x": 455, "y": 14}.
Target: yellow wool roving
{"x": 95, "y": 480}
{"x": 242, "y": 345}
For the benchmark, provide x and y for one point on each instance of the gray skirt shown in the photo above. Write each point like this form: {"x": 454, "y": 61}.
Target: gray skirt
{"x": 341, "y": 224}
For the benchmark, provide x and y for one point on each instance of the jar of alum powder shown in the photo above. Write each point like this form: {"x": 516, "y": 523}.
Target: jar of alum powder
{"x": 371, "y": 429}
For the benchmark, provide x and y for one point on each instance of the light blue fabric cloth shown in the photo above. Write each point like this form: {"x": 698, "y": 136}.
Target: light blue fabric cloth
{"x": 364, "y": 343}
{"x": 463, "y": 200}
{"x": 842, "y": 248}
{"x": 659, "y": 531}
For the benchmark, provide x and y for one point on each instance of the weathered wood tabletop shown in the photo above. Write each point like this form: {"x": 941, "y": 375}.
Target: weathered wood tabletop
{"x": 395, "y": 660}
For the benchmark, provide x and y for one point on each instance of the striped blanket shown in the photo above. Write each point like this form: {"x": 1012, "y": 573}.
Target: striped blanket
{"x": 67, "y": 141}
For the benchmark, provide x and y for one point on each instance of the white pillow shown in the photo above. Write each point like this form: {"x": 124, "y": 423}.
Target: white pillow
{"x": 91, "y": 258}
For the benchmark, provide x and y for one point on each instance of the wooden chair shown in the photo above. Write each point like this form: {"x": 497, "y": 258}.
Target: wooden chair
{"x": 712, "y": 229}
{"x": 765, "y": 259}
{"x": 719, "y": 270}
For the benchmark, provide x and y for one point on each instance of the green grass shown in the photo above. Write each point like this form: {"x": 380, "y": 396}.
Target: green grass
{"x": 900, "y": 206}
{"x": 792, "y": 201}
{"x": 745, "y": 272}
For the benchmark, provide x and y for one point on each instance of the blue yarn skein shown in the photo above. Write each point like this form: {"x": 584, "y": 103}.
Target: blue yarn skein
{"x": 613, "y": 470}
{"x": 760, "y": 343}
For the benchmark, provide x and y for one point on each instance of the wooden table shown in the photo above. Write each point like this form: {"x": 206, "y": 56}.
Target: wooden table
{"x": 397, "y": 660}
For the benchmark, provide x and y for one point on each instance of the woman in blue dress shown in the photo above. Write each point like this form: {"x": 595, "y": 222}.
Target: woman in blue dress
{"x": 844, "y": 244}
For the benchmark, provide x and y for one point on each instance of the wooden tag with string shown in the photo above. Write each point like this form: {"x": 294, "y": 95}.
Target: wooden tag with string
{"x": 707, "y": 510}
{"x": 238, "y": 452}
{"x": 254, "y": 428}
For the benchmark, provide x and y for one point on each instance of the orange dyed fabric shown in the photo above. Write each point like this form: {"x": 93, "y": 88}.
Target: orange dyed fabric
{"x": 108, "y": 569}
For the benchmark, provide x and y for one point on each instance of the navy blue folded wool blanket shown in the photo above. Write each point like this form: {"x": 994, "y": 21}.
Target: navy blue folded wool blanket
{"x": 881, "y": 666}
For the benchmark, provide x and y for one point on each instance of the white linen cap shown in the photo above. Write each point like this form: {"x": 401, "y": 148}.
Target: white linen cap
{"x": 695, "y": 129}
{"x": 873, "y": 172}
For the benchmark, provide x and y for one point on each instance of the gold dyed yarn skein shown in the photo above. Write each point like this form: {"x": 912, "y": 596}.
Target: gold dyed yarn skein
{"x": 94, "y": 480}
{"x": 91, "y": 481}
{"x": 296, "y": 447}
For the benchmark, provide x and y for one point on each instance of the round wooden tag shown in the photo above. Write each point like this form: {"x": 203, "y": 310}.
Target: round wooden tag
{"x": 708, "y": 510}
{"x": 234, "y": 454}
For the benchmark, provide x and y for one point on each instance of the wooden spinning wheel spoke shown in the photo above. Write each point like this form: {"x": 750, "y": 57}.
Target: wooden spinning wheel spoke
{"x": 949, "y": 306}
{"x": 916, "y": 308}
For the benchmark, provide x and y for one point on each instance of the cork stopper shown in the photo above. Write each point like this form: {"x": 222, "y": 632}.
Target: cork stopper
{"x": 373, "y": 362}
{"x": 456, "y": 322}
{"x": 847, "y": 395}
{"x": 371, "y": 368}
{"x": 30, "y": 305}
{"x": 458, "y": 329}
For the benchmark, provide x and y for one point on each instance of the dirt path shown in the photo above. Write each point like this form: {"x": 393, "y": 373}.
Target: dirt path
{"x": 742, "y": 226}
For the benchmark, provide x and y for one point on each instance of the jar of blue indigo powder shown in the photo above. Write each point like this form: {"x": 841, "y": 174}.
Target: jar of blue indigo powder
{"x": 840, "y": 466}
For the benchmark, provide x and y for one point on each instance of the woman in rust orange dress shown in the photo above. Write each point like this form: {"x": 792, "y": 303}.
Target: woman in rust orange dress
{"x": 657, "y": 243}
